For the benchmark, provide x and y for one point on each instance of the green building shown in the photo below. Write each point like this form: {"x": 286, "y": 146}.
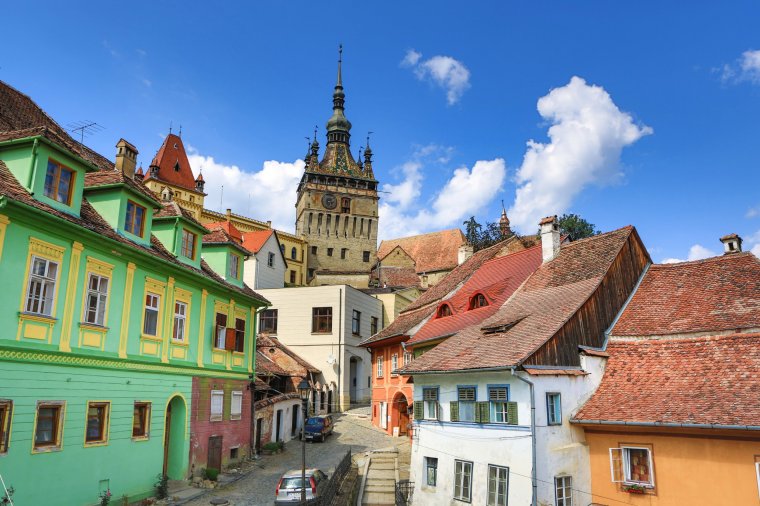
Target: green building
{"x": 119, "y": 343}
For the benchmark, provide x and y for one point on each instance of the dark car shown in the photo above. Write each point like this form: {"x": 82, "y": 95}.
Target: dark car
{"x": 318, "y": 428}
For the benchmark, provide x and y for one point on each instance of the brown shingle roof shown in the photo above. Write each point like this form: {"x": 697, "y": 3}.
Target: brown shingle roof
{"x": 436, "y": 251}
{"x": 700, "y": 380}
{"x": 285, "y": 358}
{"x": 94, "y": 180}
{"x": 173, "y": 165}
{"x": 220, "y": 236}
{"x": 173, "y": 210}
{"x": 719, "y": 293}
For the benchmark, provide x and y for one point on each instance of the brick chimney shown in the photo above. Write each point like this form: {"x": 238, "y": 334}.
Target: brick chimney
{"x": 732, "y": 243}
{"x": 126, "y": 158}
{"x": 549, "y": 237}
{"x": 465, "y": 251}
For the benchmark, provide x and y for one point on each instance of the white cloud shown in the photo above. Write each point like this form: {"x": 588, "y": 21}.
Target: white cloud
{"x": 443, "y": 71}
{"x": 464, "y": 194}
{"x": 696, "y": 252}
{"x": 267, "y": 194}
{"x": 746, "y": 68}
{"x": 752, "y": 212}
{"x": 147, "y": 82}
{"x": 587, "y": 135}
{"x": 756, "y": 250}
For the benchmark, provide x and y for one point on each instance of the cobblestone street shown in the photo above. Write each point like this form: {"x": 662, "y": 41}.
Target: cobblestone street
{"x": 257, "y": 488}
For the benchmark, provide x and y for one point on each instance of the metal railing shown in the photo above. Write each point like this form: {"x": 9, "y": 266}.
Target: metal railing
{"x": 328, "y": 493}
{"x": 404, "y": 492}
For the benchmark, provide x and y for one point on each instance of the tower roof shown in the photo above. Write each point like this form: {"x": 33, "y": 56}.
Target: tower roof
{"x": 173, "y": 165}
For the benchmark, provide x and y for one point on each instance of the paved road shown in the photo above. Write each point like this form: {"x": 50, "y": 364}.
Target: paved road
{"x": 258, "y": 487}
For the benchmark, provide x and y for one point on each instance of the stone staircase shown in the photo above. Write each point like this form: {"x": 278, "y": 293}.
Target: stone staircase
{"x": 380, "y": 476}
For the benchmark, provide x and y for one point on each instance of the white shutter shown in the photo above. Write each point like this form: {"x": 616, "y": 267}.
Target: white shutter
{"x": 217, "y": 403}
{"x": 616, "y": 465}
{"x": 236, "y": 408}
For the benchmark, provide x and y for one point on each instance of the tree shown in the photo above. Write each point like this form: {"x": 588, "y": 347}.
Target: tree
{"x": 576, "y": 227}
{"x": 480, "y": 236}
{"x": 472, "y": 230}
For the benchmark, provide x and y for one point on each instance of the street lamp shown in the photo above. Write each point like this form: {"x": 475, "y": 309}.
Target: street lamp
{"x": 303, "y": 390}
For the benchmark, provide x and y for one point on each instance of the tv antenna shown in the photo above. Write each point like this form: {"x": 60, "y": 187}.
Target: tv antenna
{"x": 84, "y": 128}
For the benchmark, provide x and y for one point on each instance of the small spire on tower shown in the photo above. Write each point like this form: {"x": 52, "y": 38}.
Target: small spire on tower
{"x": 506, "y": 231}
{"x": 340, "y": 63}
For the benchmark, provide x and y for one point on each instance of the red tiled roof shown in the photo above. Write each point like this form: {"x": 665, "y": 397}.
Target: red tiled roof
{"x": 700, "y": 380}
{"x": 173, "y": 165}
{"x": 114, "y": 177}
{"x": 230, "y": 228}
{"x": 172, "y": 210}
{"x": 719, "y": 293}
{"x": 285, "y": 358}
{"x": 534, "y": 314}
{"x": 220, "y": 236}
{"x": 396, "y": 276}
{"x": 436, "y": 251}
{"x": 253, "y": 241}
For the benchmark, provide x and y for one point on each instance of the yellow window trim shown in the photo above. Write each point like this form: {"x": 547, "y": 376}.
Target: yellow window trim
{"x": 148, "y": 415}
{"x": 186, "y": 296}
{"x": 106, "y": 424}
{"x": 58, "y": 446}
{"x": 9, "y": 422}
{"x": 93, "y": 327}
{"x": 155, "y": 287}
{"x": 47, "y": 251}
{"x": 99, "y": 268}
{"x": 148, "y": 337}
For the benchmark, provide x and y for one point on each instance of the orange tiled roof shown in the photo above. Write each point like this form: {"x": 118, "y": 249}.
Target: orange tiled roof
{"x": 698, "y": 380}
{"x": 436, "y": 251}
{"x": 230, "y": 228}
{"x": 253, "y": 241}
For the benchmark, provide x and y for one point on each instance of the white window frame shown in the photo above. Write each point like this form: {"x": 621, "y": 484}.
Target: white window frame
{"x": 394, "y": 364}
{"x": 621, "y": 456}
{"x": 431, "y": 463}
{"x": 561, "y": 486}
{"x": 757, "y": 472}
{"x": 430, "y": 405}
{"x": 100, "y": 294}
{"x": 460, "y": 475}
{"x": 217, "y": 415}
{"x": 379, "y": 362}
{"x": 383, "y": 415}
{"x": 156, "y": 299}
{"x": 467, "y": 401}
{"x": 180, "y": 319}
{"x": 553, "y": 412}
{"x": 236, "y": 405}
{"x": 407, "y": 357}
{"x": 500, "y": 406}
{"x": 497, "y": 481}
{"x": 45, "y": 298}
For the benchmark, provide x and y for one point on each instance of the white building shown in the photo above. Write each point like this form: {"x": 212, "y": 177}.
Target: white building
{"x": 266, "y": 267}
{"x": 492, "y": 403}
{"x": 324, "y": 325}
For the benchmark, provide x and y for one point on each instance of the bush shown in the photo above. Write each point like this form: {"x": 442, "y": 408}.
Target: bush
{"x": 162, "y": 486}
{"x": 212, "y": 474}
{"x": 273, "y": 446}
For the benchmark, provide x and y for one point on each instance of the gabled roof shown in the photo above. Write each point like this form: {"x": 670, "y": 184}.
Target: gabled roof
{"x": 228, "y": 227}
{"x": 535, "y": 313}
{"x": 285, "y": 358}
{"x": 219, "y": 236}
{"x": 173, "y": 210}
{"x": 103, "y": 178}
{"x": 396, "y": 276}
{"x": 435, "y": 251}
{"x": 698, "y": 380}
{"x": 173, "y": 165}
{"x": 253, "y": 241}
{"x": 716, "y": 294}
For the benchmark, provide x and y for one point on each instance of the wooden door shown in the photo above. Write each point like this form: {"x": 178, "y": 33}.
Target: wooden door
{"x": 214, "y": 460}
{"x": 403, "y": 418}
{"x": 278, "y": 430}
{"x": 258, "y": 435}
{"x": 167, "y": 437}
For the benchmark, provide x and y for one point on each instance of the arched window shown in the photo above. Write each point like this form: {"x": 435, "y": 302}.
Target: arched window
{"x": 478, "y": 300}
{"x": 293, "y": 253}
{"x": 282, "y": 248}
{"x": 444, "y": 310}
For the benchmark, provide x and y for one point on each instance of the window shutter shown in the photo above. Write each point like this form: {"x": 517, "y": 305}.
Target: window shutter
{"x": 483, "y": 413}
{"x": 454, "y": 411}
{"x": 229, "y": 339}
{"x": 418, "y": 410}
{"x": 512, "y": 413}
{"x": 616, "y": 465}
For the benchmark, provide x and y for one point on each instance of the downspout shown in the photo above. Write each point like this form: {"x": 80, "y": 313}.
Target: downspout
{"x": 533, "y": 473}
{"x": 176, "y": 227}
{"x": 32, "y": 172}
{"x": 340, "y": 344}
{"x": 253, "y": 383}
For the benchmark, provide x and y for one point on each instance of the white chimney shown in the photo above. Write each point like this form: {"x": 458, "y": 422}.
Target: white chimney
{"x": 465, "y": 251}
{"x": 732, "y": 243}
{"x": 549, "y": 237}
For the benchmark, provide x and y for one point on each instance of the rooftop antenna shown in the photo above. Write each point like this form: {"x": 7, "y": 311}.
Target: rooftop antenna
{"x": 221, "y": 199}
{"x": 315, "y": 132}
{"x": 171, "y": 123}
{"x": 368, "y": 134}
{"x": 180, "y": 130}
{"x": 84, "y": 128}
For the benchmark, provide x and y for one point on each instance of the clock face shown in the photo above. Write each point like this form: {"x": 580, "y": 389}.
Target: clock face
{"x": 329, "y": 201}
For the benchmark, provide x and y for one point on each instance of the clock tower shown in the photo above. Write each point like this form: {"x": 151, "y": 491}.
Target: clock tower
{"x": 336, "y": 211}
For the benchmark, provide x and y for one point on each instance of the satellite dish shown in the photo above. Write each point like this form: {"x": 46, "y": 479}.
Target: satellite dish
{"x": 331, "y": 359}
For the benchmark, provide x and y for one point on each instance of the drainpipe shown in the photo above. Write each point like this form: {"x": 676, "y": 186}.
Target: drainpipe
{"x": 31, "y": 165}
{"x": 340, "y": 342}
{"x": 174, "y": 242}
{"x": 533, "y": 473}
{"x": 253, "y": 383}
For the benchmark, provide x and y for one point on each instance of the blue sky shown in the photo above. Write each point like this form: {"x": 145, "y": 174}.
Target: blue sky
{"x": 659, "y": 129}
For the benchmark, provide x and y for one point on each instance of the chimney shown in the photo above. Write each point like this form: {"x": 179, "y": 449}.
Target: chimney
{"x": 126, "y": 158}
{"x": 732, "y": 243}
{"x": 549, "y": 237}
{"x": 465, "y": 251}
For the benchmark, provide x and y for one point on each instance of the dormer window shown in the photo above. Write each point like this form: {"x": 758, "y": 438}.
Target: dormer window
{"x": 478, "y": 300}
{"x": 444, "y": 310}
{"x": 234, "y": 267}
{"x": 59, "y": 181}
{"x": 176, "y": 167}
{"x": 135, "y": 219}
{"x": 188, "y": 244}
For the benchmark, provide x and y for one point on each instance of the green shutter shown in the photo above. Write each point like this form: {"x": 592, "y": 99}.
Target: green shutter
{"x": 437, "y": 410}
{"x": 454, "y": 411}
{"x": 512, "y": 413}
{"x": 483, "y": 412}
{"x": 418, "y": 410}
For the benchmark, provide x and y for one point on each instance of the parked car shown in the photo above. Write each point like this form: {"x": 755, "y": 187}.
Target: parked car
{"x": 289, "y": 488}
{"x": 318, "y": 428}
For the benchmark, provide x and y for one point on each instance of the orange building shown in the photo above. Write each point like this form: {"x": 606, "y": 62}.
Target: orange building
{"x": 676, "y": 419}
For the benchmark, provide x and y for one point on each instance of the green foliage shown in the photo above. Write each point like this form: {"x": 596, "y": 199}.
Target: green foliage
{"x": 162, "y": 486}
{"x": 105, "y": 497}
{"x": 6, "y": 499}
{"x": 480, "y": 236}
{"x": 212, "y": 474}
{"x": 576, "y": 227}
{"x": 273, "y": 446}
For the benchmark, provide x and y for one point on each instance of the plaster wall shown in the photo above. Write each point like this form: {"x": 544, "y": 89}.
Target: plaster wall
{"x": 258, "y": 274}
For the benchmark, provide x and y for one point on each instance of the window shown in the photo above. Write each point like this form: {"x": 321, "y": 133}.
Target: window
{"x": 310, "y": 273}
{"x": 293, "y": 253}
{"x": 498, "y": 485}
{"x": 292, "y": 277}
{"x": 270, "y": 260}
{"x": 430, "y": 399}
{"x": 394, "y": 364}
{"x": 180, "y": 315}
{"x": 329, "y": 252}
{"x": 188, "y": 244}
{"x": 59, "y": 181}
{"x": 463, "y": 480}
{"x": 150, "y": 323}
{"x": 141, "y": 420}
{"x": 97, "y": 422}
{"x": 379, "y": 366}
{"x": 134, "y": 223}
{"x": 478, "y": 300}
{"x": 373, "y": 321}
{"x": 268, "y": 321}
{"x": 6, "y": 411}
{"x": 313, "y": 250}
{"x": 41, "y": 288}
{"x": 345, "y": 205}
{"x": 499, "y": 397}
{"x": 356, "y": 322}
{"x": 321, "y": 319}
{"x": 466, "y": 398}
{"x": 632, "y": 465}
{"x": 97, "y": 295}
{"x": 563, "y": 490}
{"x": 217, "y": 405}
{"x": 234, "y": 271}
{"x": 365, "y": 256}
{"x": 407, "y": 357}
{"x": 431, "y": 471}
{"x": 236, "y": 406}
{"x": 239, "y": 335}
{"x": 221, "y": 330}
{"x": 444, "y": 310}
{"x": 553, "y": 409}
{"x": 343, "y": 252}
{"x": 282, "y": 249}
{"x": 47, "y": 434}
